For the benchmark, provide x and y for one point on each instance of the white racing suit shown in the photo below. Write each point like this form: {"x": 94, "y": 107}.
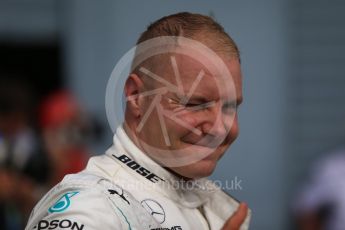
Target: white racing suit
{"x": 126, "y": 190}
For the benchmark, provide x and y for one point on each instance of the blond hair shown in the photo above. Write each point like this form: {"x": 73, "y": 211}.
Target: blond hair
{"x": 189, "y": 25}
{"x": 194, "y": 26}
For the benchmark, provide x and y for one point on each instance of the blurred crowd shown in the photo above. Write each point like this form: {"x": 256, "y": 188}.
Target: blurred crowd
{"x": 320, "y": 201}
{"x": 40, "y": 142}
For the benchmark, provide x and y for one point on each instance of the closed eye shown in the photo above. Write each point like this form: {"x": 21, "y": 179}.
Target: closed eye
{"x": 200, "y": 106}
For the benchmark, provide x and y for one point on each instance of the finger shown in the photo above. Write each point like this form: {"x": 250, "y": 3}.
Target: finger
{"x": 237, "y": 219}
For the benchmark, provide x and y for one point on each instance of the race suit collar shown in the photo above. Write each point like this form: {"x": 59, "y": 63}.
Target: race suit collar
{"x": 187, "y": 193}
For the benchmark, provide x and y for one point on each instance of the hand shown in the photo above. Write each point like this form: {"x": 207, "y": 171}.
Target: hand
{"x": 237, "y": 219}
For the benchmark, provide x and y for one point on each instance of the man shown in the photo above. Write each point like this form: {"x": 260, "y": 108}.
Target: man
{"x": 180, "y": 118}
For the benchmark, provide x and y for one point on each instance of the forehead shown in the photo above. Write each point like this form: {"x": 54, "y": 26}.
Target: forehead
{"x": 205, "y": 76}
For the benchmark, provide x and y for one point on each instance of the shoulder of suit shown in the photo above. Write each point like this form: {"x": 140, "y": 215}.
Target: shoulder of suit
{"x": 89, "y": 200}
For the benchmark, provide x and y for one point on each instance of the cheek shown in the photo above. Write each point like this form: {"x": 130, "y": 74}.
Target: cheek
{"x": 175, "y": 129}
{"x": 189, "y": 119}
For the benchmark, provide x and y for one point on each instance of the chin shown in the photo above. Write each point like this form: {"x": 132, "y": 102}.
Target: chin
{"x": 205, "y": 168}
{"x": 200, "y": 169}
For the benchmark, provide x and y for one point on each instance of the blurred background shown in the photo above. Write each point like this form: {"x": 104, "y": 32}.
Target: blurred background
{"x": 56, "y": 57}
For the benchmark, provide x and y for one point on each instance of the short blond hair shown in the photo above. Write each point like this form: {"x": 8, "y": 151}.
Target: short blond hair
{"x": 198, "y": 27}
{"x": 193, "y": 26}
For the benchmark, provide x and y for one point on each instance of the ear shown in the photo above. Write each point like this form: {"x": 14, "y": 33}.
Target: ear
{"x": 133, "y": 87}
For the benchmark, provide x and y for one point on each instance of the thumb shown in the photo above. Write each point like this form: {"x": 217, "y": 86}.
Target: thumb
{"x": 237, "y": 219}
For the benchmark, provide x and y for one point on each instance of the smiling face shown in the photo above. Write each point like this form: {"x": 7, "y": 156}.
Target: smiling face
{"x": 197, "y": 116}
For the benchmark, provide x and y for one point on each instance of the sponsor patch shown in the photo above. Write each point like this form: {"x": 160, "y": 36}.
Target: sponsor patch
{"x": 138, "y": 168}
{"x": 120, "y": 194}
{"x": 177, "y": 227}
{"x": 63, "y": 203}
{"x": 155, "y": 209}
{"x": 59, "y": 224}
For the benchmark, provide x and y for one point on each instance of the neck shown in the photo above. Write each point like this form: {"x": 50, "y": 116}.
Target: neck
{"x": 131, "y": 134}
